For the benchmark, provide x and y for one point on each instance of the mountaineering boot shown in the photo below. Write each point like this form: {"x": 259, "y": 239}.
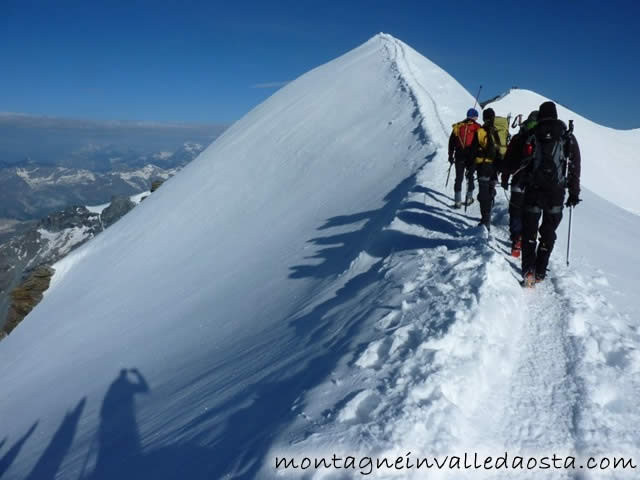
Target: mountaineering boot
{"x": 540, "y": 277}
{"x": 529, "y": 279}
{"x": 469, "y": 200}
{"x": 516, "y": 246}
{"x": 458, "y": 200}
{"x": 485, "y": 224}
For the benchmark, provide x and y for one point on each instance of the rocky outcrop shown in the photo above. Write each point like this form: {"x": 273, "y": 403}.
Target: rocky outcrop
{"x": 156, "y": 184}
{"x": 44, "y": 243}
{"x": 27, "y": 296}
{"x": 118, "y": 208}
{"x": 71, "y": 217}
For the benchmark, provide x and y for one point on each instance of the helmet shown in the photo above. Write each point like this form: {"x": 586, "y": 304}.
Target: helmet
{"x": 472, "y": 113}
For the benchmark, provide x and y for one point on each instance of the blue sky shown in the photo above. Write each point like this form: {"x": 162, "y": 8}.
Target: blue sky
{"x": 211, "y": 62}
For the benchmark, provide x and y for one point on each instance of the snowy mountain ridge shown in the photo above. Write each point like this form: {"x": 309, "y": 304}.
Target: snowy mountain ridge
{"x": 332, "y": 302}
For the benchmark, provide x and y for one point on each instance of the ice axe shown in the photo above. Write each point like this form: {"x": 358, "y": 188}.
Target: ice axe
{"x": 448, "y": 174}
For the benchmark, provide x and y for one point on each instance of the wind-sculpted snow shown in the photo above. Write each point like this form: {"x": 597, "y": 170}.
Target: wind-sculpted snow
{"x": 304, "y": 289}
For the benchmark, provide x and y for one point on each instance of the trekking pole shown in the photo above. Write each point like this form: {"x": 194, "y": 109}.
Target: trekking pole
{"x": 569, "y": 236}
{"x": 478, "y": 95}
{"x": 448, "y": 173}
{"x": 466, "y": 194}
{"x": 504, "y": 190}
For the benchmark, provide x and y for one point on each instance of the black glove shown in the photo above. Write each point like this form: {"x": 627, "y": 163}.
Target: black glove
{"x": 451, "y": 159}
{"x": 573, "y": 200}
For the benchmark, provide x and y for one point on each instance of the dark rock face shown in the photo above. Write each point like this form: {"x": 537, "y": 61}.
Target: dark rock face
{"x": 44, "y": 243}
{"x": 25, "y": 297}
{"x": 118, "y": 208}
{"x": 156, "y": 184}
{"x": 72, "y": 217}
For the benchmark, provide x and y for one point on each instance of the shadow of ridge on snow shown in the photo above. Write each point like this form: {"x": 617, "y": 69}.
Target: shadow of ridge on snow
{"x": 345, "y": 247}
{"x": 263, "y": 409}
{"x": 255, "y": 416}
{"x": 234, "y": 437}
{"x": 340, "y": 249}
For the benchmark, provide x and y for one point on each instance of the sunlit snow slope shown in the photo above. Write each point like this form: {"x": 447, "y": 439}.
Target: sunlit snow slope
{"x": 219, "y": 287}
{"x": 303, "y": 288}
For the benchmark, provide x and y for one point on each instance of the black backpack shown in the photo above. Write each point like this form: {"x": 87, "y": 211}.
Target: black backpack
{"x": 548, "y": 161}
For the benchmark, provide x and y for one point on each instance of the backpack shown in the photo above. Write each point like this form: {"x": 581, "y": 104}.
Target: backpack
{"x": 464, "y": 132}
{"x": 548, "y": 160}
{"x": 501, "y": 125}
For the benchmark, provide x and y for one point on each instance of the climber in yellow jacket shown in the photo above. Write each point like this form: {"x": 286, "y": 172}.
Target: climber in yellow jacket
{"x": 487, "y": 151}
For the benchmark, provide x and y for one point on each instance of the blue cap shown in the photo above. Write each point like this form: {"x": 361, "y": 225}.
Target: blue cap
{"x": 472, "y": 113}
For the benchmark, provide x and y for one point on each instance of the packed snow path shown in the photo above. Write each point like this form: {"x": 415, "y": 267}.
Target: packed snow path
{"x": 304, "y": 288}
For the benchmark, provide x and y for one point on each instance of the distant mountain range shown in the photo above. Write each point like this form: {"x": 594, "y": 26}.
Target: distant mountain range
{"x": 93, "y": 145}
{"x": 47, "y": 164}
{"x": 30, "y": 190}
